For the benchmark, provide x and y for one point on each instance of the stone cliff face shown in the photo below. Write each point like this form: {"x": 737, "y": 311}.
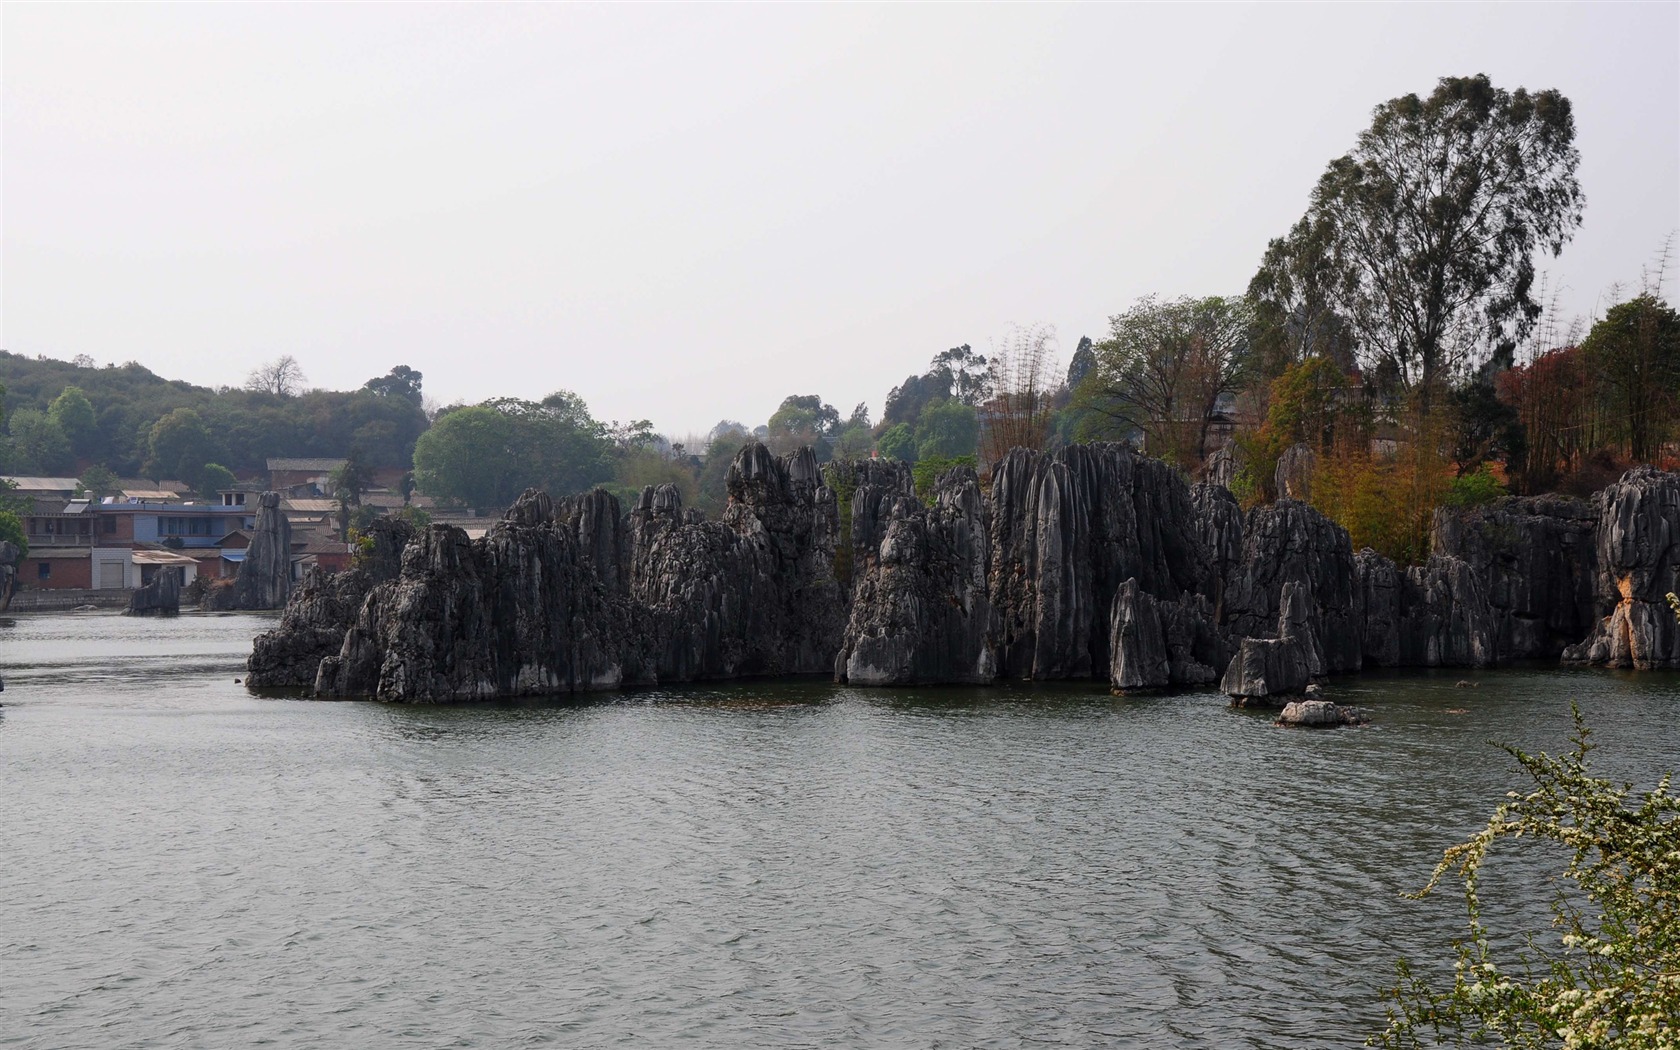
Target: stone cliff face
{"x": 1289, "y": 542}
{"x": 1538, "y": 564}
{"x": 920, "y": 610}
{"x": 569, "y": 596}
{"x": 1068, "y": 528}
{"x": 1086, "y": 562}
{"x": 265, "y": 576}
{"x": 1638, "y": 555}
{"x": 322, "y": 609}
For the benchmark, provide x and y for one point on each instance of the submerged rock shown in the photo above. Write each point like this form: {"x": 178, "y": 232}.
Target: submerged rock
{"x": 1319, "y": 714}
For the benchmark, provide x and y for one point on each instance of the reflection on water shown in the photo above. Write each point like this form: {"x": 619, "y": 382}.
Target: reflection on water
{"x": 766, "y": 863}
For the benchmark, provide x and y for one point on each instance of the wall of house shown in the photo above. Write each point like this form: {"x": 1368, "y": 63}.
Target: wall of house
{"x": 103, "y": 556}
{"x": 61, "y": 571}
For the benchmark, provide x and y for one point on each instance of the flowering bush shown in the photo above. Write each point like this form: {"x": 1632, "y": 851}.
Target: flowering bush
{"x": 1613, "y": 977}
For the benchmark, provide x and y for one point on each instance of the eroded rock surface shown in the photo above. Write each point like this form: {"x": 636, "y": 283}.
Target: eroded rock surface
{"x": 920, "y": 610}
{"x": 1538, "y": 563}
{"x": 1638, "y": 549}
{"x": 264, "y": 580}
{"x": 1289, "y": 542}
{"x": 1283, "y": 665}
{"x": 161, "y": 597}
{"x": 1068, "y": 527}
{"x": 1085, "y": 562}
{"x": 321, "y": 610}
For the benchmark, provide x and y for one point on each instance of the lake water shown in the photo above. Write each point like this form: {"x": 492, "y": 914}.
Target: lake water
{"x": 758, "y": 864}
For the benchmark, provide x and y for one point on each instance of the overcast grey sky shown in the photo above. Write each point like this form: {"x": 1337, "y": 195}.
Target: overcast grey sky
{"x": 687, "y": 212}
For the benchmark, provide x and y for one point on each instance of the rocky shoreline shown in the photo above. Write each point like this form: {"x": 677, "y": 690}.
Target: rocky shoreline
{"x": 1089, "y": 562}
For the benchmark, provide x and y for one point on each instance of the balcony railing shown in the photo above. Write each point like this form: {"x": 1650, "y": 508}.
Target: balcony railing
{"x": 61, "y": 539}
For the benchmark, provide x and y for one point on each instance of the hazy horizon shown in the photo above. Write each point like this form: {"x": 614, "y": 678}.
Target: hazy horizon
{"x": 688, "y": 213}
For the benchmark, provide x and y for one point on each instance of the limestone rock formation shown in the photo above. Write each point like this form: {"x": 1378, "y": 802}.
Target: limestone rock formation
{"x": 264, "y": 580}
{"x": 1220, "y": 520}
{"x": 1638, "y": 552}
{"x": 920, "y": 609}
{"x": 1067, "y": 528}
{"x": 321, "y": 610}
{"x": 1280, "y": 666}
{"x": 1538, "y": 562}
{"x": 1290, "y": 542}
{"x": 568, "y": 596}
{"x": 517, "y": 613}
{"x": 753, "y": 594}
{"x": 1445, "y": 618}
{"x": 161, "y": 597}
{"x": 1378, "y": 583}
{"x": 1294, "y": 472}
{"x": 1154, "y": 644}
{"x": 10, "y": 555}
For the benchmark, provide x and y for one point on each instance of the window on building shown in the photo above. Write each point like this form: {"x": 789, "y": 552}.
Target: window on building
{"x": 43, "y": 570}
{"x": 110, "y": 524}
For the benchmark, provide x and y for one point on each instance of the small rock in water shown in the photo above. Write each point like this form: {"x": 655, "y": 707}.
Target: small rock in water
{"x": 1465, "y": 683}
{"x": 1319, "y": 713}
{"x": 1315, "y": 691}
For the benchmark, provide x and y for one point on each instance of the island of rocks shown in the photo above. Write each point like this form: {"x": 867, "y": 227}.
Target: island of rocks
{"x": 1086, "y": 562}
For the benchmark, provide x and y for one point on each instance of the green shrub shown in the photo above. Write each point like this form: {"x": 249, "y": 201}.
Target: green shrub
{"x": 1612, "y": 978}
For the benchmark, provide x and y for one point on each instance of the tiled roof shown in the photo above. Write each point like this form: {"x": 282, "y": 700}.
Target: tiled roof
{"x": 305, "y": 464}
{"x": 309, "y": 506}
{"x": 30, "y": 484}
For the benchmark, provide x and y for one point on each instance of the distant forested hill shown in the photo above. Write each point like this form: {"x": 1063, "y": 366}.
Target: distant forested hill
{"x": 62, "y": 417}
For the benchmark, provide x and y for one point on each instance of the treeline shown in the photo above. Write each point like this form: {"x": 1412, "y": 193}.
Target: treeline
{"x": 67, "y": 418}
{"x": 1391, "y": 350}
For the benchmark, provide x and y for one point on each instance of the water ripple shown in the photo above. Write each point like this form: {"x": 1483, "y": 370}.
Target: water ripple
{"x": 788, "y": 864}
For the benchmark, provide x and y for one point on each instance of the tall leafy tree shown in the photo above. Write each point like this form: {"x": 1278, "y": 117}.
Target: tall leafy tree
{"x": 73, "y": 413}
{"x": 804, "y": 420}
{"x": 1634, "y": 354}
{"x": 180, "y": 445}
{"x": 1423, "y": 237}
{"x": 402, "y": 381}
{"x": 38, "y": 443}
{"x": 1165, "y": 369}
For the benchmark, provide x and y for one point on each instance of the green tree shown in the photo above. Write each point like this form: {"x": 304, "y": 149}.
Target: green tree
{"x": 179, "y": 446}
{"x": 898, "y": 442}
{"x": 73, "y": 413}
{"x": 1164, "y": 370}
{"x": 213, "y": 478}
{"x": 98, "y": 482}
{"x": 11, "y": 528}
{"x": 467, "y": 457}
{"x": 947, "y": 431}
{"x": 401, "y": 382}
{"x": 485, "y": 455}
{"x": 1423, "y": 237}
{"x": 726, "y": 442}
{"x": 804, "y": 420}
{"x": 38, "y": 444}
{"x": 856, "y": 436}
{"x": 1612, "y": 978}
{"x": 1634, "y": 353}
